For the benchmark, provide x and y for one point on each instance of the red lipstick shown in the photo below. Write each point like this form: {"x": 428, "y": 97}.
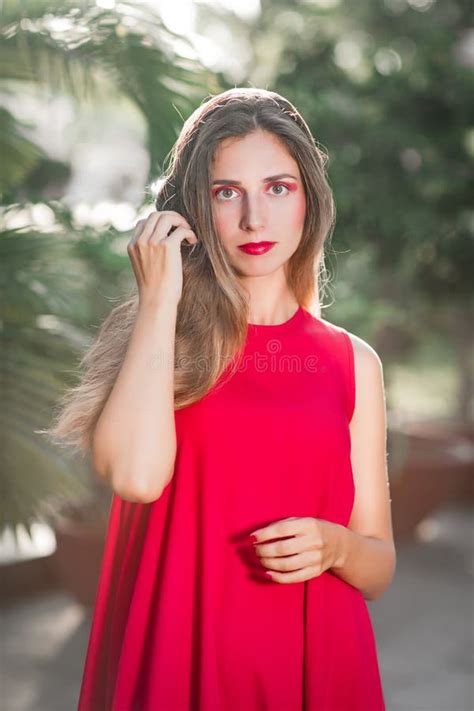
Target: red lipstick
{"x": 256, "y": 247}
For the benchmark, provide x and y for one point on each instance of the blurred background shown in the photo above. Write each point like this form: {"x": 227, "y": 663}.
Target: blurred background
{"x": 92, "y": 97}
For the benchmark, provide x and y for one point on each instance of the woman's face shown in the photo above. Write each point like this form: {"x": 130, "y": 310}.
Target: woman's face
{"x": 257, "y": 195}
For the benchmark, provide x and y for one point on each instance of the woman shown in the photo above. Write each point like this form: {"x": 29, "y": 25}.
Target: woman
{"x": 244, "y": 440}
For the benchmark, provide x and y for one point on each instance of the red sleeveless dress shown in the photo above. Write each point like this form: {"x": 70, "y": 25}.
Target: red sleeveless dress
{"x": 184, "y": 619}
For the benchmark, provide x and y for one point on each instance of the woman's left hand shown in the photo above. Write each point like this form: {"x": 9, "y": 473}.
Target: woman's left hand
{"x": 316, "y": 547}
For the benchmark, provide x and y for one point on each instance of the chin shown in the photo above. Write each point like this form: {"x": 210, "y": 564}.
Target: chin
{"x": 257, "y": 271}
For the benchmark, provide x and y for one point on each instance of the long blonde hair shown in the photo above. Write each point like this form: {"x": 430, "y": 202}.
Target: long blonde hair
{"x": 213, "y": 311}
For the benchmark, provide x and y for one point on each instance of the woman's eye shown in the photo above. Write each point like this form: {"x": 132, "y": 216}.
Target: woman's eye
{"x": 280, "y": 185}
{"x": 224, "y": 190}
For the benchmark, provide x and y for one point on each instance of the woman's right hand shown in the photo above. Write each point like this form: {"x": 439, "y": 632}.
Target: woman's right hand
{"x": 156, "y": 256}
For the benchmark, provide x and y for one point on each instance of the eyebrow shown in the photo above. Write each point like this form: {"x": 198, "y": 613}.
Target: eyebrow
{"x": 265, "y": 180}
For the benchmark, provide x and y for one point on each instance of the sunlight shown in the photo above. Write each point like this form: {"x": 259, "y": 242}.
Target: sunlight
{"x": 180, "y": 17}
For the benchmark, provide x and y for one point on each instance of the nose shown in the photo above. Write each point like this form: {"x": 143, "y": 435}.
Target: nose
{"x": 253, "y": 217}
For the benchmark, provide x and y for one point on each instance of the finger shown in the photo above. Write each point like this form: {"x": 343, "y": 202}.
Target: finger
{"x": 286, "y": 527}
{"x": 139, "y": 227}
{"x": 297, "y": 576}
{"x": 150, "y": 226}
{"x": 164, "y": 224}
{"x": 169, "y": 219}
{"x": 291, "y": 562}
{"x": 179, "y": 234}
{"x": 290, "y": 546}
{"x": 177, "y": 216}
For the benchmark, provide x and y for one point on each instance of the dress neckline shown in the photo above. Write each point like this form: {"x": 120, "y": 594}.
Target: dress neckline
{"x": 273, "y": 326}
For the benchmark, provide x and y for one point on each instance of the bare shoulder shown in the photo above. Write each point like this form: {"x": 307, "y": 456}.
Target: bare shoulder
{"x": 367, "y": 361}
{"x": 369, "y": 385}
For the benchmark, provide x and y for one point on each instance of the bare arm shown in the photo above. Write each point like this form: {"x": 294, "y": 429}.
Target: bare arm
{"x": 368, "y": 554}
{"x": 134, "y": 441}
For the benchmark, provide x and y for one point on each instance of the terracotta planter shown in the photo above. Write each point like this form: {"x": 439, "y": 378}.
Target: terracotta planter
{"x": 27, "y": 578}
{"x": 430, "y": 464}
{"x": 80, "y": 537}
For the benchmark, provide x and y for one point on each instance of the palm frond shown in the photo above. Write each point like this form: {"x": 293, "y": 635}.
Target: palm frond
{"x": 19, "y": 154}
{"x": 87, "y": 51}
